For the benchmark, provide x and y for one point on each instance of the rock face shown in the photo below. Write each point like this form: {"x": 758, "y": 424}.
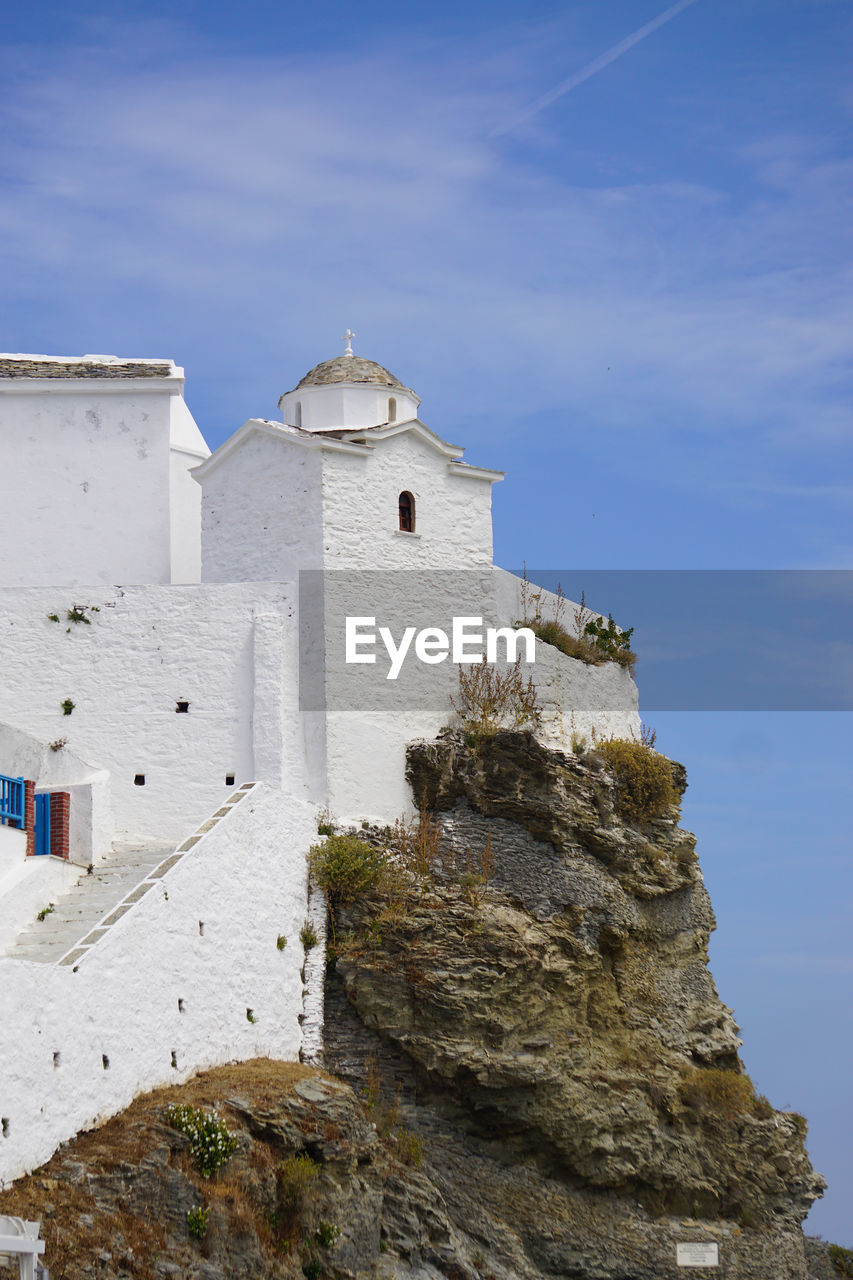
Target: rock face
{"x": 115, "y": 1201}
{"x": 550, "y": 988}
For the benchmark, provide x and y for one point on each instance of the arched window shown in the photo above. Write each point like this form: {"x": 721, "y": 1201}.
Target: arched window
{"x": 297, "y": 414}
{"x": 407, "y": 512}
{"x": 392, "y": 409}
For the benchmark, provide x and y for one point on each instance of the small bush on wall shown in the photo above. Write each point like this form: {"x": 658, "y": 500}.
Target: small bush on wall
{"x": 308, "y": 935}
{"x": 590, "y": 639}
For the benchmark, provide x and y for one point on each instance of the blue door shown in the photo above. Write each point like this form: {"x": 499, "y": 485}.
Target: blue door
{"x": 43, "y": 823}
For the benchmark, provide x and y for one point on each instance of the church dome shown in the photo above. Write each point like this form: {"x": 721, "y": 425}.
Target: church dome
{"x": 348, "y": 393}
{"x": 348, "y": 368}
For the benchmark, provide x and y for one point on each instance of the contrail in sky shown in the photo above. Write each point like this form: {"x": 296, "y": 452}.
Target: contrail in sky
{"x": 592, "y": 68}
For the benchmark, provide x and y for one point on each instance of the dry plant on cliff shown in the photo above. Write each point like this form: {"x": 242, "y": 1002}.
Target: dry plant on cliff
{"x": 489, "y": 699}
{"x": 417, "y": 846}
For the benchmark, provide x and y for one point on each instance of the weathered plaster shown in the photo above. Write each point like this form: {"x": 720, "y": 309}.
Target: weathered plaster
{"x": 261, "y": 512}
{"x": 453, "y": 518}
{"x": 145, "y": 649}
{"x": 90, "y": 490}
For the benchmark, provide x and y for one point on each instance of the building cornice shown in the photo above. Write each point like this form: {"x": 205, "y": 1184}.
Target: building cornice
{"x": 22, "y": 386}
{"x": 413, "y": 426}
{"x": 475, "y": 473}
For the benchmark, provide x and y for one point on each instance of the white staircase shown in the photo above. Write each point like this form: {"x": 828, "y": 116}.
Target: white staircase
{"x": 77, "y": 912}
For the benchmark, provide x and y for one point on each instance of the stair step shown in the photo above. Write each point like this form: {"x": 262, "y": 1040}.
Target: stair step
{"x": 76, "y": 913}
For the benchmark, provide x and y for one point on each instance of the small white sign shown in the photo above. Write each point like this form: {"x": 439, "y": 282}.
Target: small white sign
{"x": 697, "y": 1255}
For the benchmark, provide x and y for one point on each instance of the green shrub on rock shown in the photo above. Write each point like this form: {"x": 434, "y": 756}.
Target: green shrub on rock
{"x": 211, "y": 1144}
{"x": 296, "y": 1177}
{"x": 198, "y": 1218}
{"x": 841, "y": 1258}
{"x": 347, "y": 867}
{"x": 611, "y": 642}
{"x": 644, "y": 785}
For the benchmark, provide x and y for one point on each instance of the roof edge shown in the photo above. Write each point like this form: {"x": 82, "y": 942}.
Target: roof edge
{"x": 386, "y": 429}
{"x": 276, "y": 431}
{"x": 396, "y": 389}
{"x": 19, "y": 365}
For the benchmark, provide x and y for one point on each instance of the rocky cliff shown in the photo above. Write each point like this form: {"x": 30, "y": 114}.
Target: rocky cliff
{"x": 549, "y": 985}
{"x": 533, "y": 1078}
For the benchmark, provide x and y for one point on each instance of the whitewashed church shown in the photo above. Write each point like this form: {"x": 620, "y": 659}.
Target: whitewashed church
{"x": 176, "y": 709}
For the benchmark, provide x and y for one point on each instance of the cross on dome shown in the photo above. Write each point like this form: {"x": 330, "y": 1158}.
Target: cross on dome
{"x": 347, "y": 338}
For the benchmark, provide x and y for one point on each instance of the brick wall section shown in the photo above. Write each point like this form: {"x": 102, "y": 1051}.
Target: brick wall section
{"x": 60, "y": 812}
{"x": 30, "y": 816}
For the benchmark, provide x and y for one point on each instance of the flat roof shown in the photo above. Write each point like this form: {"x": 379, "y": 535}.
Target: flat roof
{"x": 37, "y": 366}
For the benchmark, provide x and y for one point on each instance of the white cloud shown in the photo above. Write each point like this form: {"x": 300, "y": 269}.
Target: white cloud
{"x": 277, "y": 197}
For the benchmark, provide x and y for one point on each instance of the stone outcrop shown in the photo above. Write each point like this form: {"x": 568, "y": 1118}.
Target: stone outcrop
{"x": 551, "y": 986}
{"x": 115, "y": 1201}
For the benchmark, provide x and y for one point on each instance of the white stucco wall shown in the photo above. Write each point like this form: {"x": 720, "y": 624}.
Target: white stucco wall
{"x": 453, "y": 513}
{"x": 371, "y": 719}
{"x": 346, "y": 405}
{"x": 25, "y": 756}
{"x": 187, "y": 450}
{"x": 273, "y": 505}
{"x": 83, "y": 490}
{"x": 86, "y": 481}
{"x": 13, "y": 847}
{"x": 232, "y": 651}
{"x": 577, "y": 699}
{"x": 147, "y": 648}
{"x": 367, "y": 757}
{"x": 244, "y": 881}
{"x": 262, "y": 512}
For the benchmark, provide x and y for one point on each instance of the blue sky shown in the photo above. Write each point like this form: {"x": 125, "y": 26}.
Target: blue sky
{"x": 636, "y": 299}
